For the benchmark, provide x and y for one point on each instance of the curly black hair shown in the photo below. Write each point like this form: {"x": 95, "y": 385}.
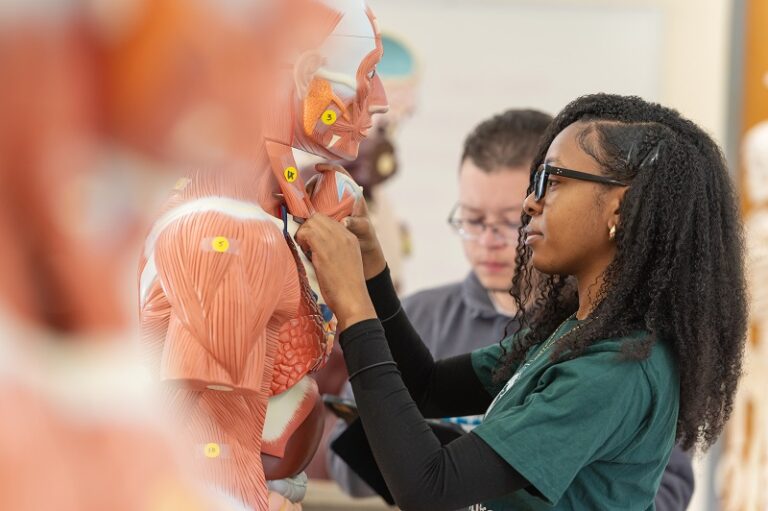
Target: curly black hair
{"x": 678, "y": 273}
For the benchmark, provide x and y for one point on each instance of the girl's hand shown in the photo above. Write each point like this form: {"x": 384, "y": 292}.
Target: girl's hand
{"x": 370, "y": 249}
{"x": 336, "y": 255}
{"x": 359, "y": 223}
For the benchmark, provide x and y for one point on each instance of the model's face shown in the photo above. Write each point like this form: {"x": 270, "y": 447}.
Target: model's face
{"x": 492, "y": 198}
{"x": 337, "y": 113}
{"x": 568, "y": 230}
{"x": 352, "y": 122}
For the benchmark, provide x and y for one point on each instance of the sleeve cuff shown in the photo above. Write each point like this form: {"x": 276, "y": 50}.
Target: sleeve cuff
{"x": 383, "y": 295}
{"x": 364, "y": 344}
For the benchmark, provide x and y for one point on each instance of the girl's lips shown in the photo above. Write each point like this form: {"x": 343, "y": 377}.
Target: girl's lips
{"x": 531, "y": 236}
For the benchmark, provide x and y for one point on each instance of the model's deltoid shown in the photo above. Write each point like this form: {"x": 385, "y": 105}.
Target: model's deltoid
{"x": 227, "y": 316}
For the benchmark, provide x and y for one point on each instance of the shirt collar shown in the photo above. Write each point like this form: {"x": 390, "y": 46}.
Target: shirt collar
{"x": 476, "y": 298}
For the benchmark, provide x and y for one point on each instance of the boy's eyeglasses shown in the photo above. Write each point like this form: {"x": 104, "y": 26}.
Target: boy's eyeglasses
{"x": 471, "y": 229}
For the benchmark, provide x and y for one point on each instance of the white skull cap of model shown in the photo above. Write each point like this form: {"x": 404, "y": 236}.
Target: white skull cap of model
{"x": 353, "y": 38}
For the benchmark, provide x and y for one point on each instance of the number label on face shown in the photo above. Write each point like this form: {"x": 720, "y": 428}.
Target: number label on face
{"x": 329, "y": 117}
{"x": 291, "y": 174}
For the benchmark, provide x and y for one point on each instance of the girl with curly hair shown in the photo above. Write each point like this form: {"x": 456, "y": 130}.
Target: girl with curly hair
{"x": 632, "y": 320}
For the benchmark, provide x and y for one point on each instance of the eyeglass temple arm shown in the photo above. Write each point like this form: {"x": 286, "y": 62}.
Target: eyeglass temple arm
{"x": 584, "y": 176}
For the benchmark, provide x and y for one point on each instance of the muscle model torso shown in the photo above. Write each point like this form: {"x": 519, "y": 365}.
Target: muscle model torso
{"x": 228, "y": 314}
{"x": 228, "y": 319}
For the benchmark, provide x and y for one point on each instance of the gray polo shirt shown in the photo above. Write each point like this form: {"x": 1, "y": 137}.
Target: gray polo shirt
{"x": 452, "y": 320}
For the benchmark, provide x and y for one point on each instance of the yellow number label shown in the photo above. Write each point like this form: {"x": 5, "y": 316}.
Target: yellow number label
{"x": 291, "y": 174}
{"x": 220, "y": 244}
{"x": 212, "y": 450}
{"x": 329, "y": 117}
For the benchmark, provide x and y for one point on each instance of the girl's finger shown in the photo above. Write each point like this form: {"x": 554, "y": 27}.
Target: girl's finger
{"x": 358, "y": 226}
{"x": 360, "y": 208}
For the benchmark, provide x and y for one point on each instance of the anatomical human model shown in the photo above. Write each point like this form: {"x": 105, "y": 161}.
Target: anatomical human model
{"x": 742, "y": 468}
{"x": 82, "y": 422}
{"x": 756, "y": 164}
{"x": 228, "y": 319}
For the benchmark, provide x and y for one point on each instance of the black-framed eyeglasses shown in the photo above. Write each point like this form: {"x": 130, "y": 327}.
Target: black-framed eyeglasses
{"x": 472, "y": 229}
{"x": 545, "y": 170}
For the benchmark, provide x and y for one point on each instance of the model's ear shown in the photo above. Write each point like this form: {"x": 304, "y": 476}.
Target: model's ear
{"x": 304, "y": 70}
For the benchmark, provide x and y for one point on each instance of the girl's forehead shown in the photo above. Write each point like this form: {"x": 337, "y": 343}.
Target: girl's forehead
{"x": 565, "y": 141}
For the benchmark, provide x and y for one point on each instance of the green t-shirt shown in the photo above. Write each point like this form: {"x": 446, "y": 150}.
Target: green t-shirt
{"x": 591, "y": 433}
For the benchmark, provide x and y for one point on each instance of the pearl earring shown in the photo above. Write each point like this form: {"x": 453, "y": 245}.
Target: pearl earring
{"x": 612, "y": 232}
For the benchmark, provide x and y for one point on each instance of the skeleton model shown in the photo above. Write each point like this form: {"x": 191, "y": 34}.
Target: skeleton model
{"x": 743, "y": 468}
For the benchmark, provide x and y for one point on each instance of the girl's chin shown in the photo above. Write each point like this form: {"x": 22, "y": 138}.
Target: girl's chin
{"x": 543, "y": 266}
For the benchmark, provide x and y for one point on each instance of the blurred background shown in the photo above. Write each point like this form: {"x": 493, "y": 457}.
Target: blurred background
{"x": 104, "y": 104}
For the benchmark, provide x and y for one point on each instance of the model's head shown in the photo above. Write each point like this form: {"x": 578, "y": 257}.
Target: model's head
{"x": 337, "y": 89}
{"x": 755, "y": 153}
{"x": 493, "y": 178}
{"x": 651, "y": 218}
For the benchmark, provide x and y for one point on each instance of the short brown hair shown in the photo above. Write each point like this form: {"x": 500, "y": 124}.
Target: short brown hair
{"x": 509, "y": 139}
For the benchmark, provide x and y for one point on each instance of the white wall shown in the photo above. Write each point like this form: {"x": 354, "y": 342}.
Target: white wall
{"x": 485, "y": 56}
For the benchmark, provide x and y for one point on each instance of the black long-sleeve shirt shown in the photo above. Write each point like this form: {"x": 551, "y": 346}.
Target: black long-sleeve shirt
{"x": 420, "y": 472}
